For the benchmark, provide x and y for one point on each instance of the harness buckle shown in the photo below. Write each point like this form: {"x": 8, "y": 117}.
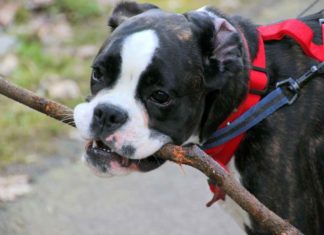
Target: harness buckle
{"x": 321, "y": 21}
{"x": 292, "y": 86}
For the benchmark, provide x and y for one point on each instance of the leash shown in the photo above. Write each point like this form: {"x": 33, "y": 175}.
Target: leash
{"x": 286, "y": 93}
{"x": 308, "y": 8}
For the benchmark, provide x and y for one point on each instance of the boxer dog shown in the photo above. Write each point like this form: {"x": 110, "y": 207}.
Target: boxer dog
{"x": 173, "y": 78}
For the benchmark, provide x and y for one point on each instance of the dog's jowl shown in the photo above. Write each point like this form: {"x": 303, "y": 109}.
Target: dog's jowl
{"x": 175, "y": 78}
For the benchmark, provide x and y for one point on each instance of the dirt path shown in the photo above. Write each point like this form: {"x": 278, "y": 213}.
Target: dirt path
{"x": 69, "y": 200}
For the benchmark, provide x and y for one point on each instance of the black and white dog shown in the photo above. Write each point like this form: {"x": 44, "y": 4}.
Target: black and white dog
{"x": 171, "y": 78}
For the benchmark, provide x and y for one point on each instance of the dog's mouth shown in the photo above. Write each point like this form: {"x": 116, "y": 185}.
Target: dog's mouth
{"x": 101, "y": 156}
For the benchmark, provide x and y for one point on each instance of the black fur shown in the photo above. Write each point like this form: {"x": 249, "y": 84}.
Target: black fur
{"x": 125, "y": 10}
{"x": 281, "y": 160}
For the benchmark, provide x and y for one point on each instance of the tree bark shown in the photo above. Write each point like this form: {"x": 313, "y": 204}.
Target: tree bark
{"x": 192, "y": 156}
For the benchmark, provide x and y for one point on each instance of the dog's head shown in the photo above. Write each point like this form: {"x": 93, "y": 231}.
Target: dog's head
{"x": 159, "y": 78}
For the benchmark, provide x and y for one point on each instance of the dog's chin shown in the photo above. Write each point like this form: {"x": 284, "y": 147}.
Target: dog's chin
{"x": 106, "y": 163}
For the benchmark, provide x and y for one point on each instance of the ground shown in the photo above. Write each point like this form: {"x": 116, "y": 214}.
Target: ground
{"x": 69, "y": 200}
{"x": 65, "y": 197}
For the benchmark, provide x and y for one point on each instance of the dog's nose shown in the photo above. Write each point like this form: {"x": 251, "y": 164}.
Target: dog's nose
{"x": 108, "y": 118}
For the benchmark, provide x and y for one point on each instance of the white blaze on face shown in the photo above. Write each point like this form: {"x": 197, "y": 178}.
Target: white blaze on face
{"x": 137, "y": 53}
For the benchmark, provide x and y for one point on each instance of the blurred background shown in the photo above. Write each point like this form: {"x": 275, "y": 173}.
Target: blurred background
{"x": 47, "y": 46}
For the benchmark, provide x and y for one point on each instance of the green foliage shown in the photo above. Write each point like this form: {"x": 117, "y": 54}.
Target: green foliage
{"x": 22, "y": 15}
{"x": 182, "y": 5}
{"x": 80, "y": 9}
{"x": 26, "y": 134}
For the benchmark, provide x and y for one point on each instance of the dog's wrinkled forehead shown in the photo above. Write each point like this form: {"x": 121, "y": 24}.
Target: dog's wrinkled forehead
{"x": 163, "y": 22}
{"x": 150, "y": 38}
{"x": 169, "y": 28}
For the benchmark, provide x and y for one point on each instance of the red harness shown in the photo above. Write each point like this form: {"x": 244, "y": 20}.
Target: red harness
{"x": 303, "y": 35}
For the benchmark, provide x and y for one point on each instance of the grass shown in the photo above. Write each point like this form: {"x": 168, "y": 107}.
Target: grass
{"x": 182, "y": 6}
{"x": 25, "y": 134}
{"x": 78, "y": 10}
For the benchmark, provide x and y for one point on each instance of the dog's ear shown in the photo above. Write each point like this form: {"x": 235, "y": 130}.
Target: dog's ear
{"x": 224, "y": 60}
{"x": 220, "y": 45}
{"x": 125, "y": 10}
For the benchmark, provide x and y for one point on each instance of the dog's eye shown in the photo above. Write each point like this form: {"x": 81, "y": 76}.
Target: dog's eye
{"x": 97, "y": 75}
{"x": 160, "y": 97}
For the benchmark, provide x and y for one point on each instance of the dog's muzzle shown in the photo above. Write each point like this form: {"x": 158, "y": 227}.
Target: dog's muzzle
{"x": 105, "y": 162}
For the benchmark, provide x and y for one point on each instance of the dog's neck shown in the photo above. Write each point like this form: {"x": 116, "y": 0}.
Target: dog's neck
{"x": 237, "y": 90}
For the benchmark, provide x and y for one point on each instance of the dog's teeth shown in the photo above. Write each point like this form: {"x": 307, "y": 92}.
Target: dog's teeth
{"x": 94, "y": 144}
{"x": 125, "y": 161}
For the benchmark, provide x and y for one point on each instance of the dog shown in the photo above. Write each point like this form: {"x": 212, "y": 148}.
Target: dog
{"x": 174, "y": 78}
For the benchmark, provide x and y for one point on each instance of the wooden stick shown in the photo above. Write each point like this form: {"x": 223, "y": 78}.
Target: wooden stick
{"x": 40, "y": 104}
{"x": 192, "y": 156}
